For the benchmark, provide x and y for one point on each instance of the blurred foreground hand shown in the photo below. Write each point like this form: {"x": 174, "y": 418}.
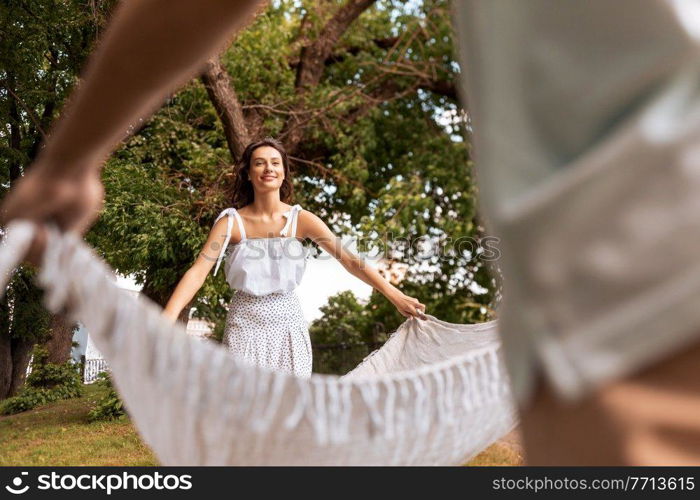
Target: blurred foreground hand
{"x": 71, "y": 201}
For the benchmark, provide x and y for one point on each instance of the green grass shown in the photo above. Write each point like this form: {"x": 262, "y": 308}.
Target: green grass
{"x": 59, "y": 434}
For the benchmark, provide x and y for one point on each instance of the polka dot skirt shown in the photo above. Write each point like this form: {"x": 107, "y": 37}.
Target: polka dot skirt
{"x": 269, "y": 331}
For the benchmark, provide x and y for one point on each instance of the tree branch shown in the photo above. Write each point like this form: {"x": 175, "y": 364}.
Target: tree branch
{"x": 382, "y": 43}
{"x": 441, "y": 87}
{"x": 313, "y": 56}
{"x": 312, "y": 62}
{"x": 218, "y": 84}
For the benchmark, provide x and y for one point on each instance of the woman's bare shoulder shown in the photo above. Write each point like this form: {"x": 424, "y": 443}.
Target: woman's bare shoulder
{"x": 312, "y": 226}
{"x": 306, "y": 216}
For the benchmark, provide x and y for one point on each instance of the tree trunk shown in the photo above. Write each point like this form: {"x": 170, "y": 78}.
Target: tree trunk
{"x": 14, "y": 358}
{"x": 21, "y": 353}
{"x": 5, "y": 365}
{"x": 218, "y": 84}
{"x": 14, "y": 353}
{"x": 312, "y": 63}
{"x": 15, "y": 138}
{"x": 60, "y": 342}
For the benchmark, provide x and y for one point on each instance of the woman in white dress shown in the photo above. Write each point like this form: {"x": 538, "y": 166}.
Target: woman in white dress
{"x": 260, "y": 239}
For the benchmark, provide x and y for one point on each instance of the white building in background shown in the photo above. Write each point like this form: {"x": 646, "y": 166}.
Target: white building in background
{"x": 80, "y": 336}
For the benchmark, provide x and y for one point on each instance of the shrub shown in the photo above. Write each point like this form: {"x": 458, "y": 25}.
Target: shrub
{"x": 110, "y": 407}
{"x": 47, "y": 382}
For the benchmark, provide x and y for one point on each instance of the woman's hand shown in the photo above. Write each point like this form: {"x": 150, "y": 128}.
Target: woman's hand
{"x": 408, "y": 306}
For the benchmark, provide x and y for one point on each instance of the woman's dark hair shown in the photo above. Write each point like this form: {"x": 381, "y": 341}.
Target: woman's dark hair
{"x": 242, "y": 193}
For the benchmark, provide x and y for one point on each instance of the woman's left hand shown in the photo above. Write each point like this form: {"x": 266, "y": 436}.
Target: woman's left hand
{"x": 408, "y": 306}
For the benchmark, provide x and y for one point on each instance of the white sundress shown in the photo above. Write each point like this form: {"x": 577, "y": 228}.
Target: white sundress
{"x": 265, "y": 324}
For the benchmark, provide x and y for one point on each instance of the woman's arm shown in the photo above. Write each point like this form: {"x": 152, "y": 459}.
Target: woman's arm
{"x": 193, "y": 279}
{"x": 311, "y": 226}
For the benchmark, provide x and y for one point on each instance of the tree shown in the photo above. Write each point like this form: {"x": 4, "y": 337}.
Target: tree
{"x": 344, "y": 335}
{"x": 42, "y": 47}
{"x": 362, "y": 94}
{"x": 23, "y": 322}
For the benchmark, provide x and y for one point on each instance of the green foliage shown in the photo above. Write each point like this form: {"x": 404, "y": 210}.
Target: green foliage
{"x": 43, "y": 45}
{"x": 42, "y": 48}
{"x": 110, "y": 407}
{"x": 22, "y": 314}
{"x": 383, "y": 156}
{"x": 27, "y": 399}
{"x": 391, "y": 172}
{"x": 47, "y": 382}
{"x": 50, "y": 375}
{"x": 344, "y": 335}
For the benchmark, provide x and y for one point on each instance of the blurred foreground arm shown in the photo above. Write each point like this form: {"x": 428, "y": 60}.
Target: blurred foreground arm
{"x": 151, "y": 48}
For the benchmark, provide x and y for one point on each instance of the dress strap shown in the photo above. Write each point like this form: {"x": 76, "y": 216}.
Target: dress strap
{"x": 229, "y": 225}
{"x": 292, "y": 214}
{"x": 241, "y": 229}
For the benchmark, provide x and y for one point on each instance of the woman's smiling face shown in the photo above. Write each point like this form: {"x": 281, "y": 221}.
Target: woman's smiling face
{"x": 266, "y": 168}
